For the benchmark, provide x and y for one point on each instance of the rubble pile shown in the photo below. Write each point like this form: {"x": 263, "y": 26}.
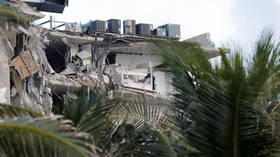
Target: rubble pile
{"x": 37, "y": 63}
{"x": 40, "y": 67}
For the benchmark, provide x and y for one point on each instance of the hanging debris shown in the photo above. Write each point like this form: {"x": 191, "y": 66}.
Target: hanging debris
{"x": 36, "y": 63}
{"x": 41, "y": 68}
{"x": 25, "y": 64}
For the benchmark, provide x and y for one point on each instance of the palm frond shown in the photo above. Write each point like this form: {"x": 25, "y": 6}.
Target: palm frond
{"x": 121, "y": 127}
{"x": 75, "y": 108}
{"x": 148, "y": 122}
{"x": 140, "y": 115}
{"x": 10, "y": 111}
{"x": 96, "y": 120}
{"x": 221, "y": 111}
{"x": 42, "y": 137}
{"x": 264, "y": 71}
{"x": 147, "y": 143}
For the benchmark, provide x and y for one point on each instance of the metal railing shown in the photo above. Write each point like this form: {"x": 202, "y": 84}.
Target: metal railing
{"x": 53, "y": 23}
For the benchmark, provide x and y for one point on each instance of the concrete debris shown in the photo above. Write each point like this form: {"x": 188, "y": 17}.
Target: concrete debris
{"x": 85, "y": 57}
{"x": 36, "y": 64}
{"x": 23, "y": 30}
{"x": 19, "y": 84}
{"x": 3, "y": 97}
{"x": 64, "y": 83}
{"x": 28, "y": 11}
{"x": 41, "y": 68}
{"x": 130, "y": 64}
{"x": 25, "y": 64}
{"x": 123, "y": 47}
{"x": 73, "y": 38}
{"x": 211, "y": 51}
{"x": 68, "y": 71}
{"x": 37, "y": 46}
{"x": 203, "y": 40}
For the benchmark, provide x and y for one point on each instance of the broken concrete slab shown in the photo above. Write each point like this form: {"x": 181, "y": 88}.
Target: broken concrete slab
{"x": 37, "y": 47}
{"x": 76, "y": 39}
{"x": 203, "y": 40}
{"x": 17, "y": 81}
{"x": 27, "y": 11}
{"x": 211, "y": 51}
{"x": 68, "y": 71}
{"x": 23, "y": 30}
{"x": 25, "y": 64}
{"x": 144, "y": 48}
{"x": 84, "y": 55}
{"x": 62, "y": 84}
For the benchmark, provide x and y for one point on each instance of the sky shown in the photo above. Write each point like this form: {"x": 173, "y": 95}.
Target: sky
{"x": 226, "y": 20}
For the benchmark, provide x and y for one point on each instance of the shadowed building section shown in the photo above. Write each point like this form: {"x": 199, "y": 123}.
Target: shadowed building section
{"x": 54, "y": 6}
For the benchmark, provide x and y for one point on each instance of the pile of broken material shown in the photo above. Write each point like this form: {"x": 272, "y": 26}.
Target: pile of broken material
{"x": 36, "y": 63}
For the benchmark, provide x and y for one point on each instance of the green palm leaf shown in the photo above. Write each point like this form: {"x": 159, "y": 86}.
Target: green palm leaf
{"x": 75, "y": 108}
{"x": 147, "y": 143}
{"x": 96, "y": 120}
{"x": 125, "y": 128}
{"x": 221, "y": 111}
{"x": 9, "y": 111}
{"x": 149, "y": 123}
{"x": 27, "y": 137}
{"x": 140, "y": 115}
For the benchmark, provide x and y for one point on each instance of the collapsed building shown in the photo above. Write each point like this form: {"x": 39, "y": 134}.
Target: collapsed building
{"x": 133, "y": 62}
{"x": 20, "y": 52}
{"x": 40, "y": 67}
